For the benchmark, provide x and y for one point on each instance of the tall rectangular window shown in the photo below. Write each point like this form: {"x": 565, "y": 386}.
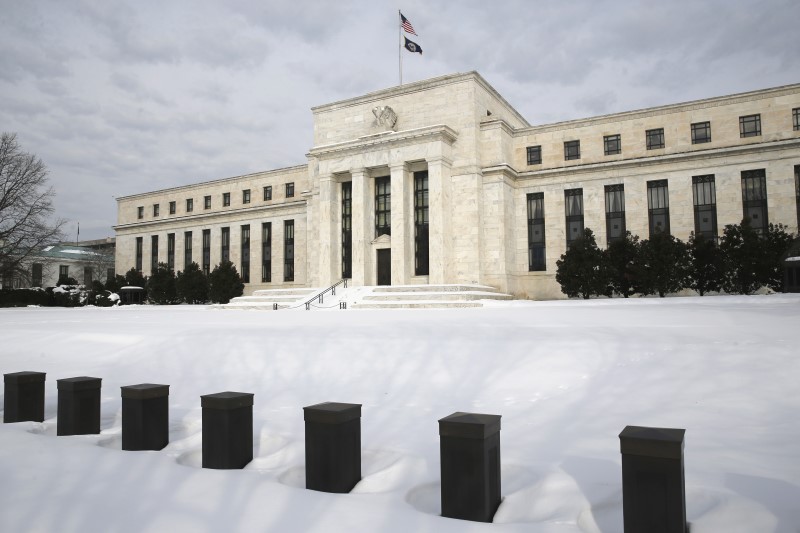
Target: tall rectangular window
{"x": 225, "y": 241}
{"x": 206, "y": 202}
{"x": 536, "y": 242}
{"x": 796, "y": 118}
{"x": 246, "y": 253}
{"x": 189, "y": 205}
{"x": 171, "y": 251}
{"x": 88, "y": 276}
{"x": 534, "y": 155}
{"x": 572, "y": 150}
{"x": 290, "y": 190}
{"x": 658, "y": 206}
{"x": 268, "y": 193}
{"x": 347, "y": 229}
{"x": 156, "y": 209}
{"x": 421, "y": 223}
{"x": 226, "y": 199}
{"x": 615, "y": 212}
{"x": 187, "y": 249}
{"x": 383, "y": 206}
{"x": 288, "y": 250}
{"x": 206, "y": 251}
{"x": 655, "y": 138}
{"x": 701, "y": 132}
{"x": 704, "y": 190}
{"x": 266, "y": 252}
{"x": 573, "y": 208}
{"x": 612, "y": 144}
{"x": 750, "y": 126}
{"x": 153, "y": 254}
{"x": 754, "y": 198}
{"x": 36, "y": 275}
{"x": 140, "y": 212}
{"x": 139, "y": 241}
{"x": 797, "y": 191}
{"x": 172, "y": 207}
{"x": 246, "y": 196}
{"x": 63, "y": 272}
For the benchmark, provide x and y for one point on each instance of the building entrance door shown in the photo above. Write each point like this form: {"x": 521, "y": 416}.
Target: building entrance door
{"x": 384, "y": 266}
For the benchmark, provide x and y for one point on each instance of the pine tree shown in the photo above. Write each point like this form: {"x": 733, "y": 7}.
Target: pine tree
{"x": 134, "y": 278}
{"x": 621, "y": 256}
{"x": 776, "y": 244}
{"x": 706, "y": 268}
{"x": 741, "y": 250}
{"x": 192, "y": 285}
{"x": 224, "y": 283}
{"x": 161, "y": 286}
{"x": 661, "y": 266}
{"x": 582, "y": 270}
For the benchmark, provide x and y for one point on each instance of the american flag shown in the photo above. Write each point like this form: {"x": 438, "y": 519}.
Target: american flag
{"x": 407, "y": 25}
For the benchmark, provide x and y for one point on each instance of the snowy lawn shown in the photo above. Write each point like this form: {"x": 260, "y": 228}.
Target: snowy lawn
{"x": 566, "y": 377}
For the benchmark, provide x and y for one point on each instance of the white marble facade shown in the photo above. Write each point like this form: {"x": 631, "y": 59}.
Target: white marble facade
{"x": 473, "y": 146}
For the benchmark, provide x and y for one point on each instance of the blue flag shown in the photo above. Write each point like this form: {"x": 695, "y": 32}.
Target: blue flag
{"x": 411, "y": 46}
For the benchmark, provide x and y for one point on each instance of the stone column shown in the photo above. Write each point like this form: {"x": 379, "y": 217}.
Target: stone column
{"x": 401, "y": 192}
{"x": 363, "y": 233}
{"x": 470, "y": 466}
{"x": 227, "y": 429}
{"x": 653, "y": 494}
{"x": 145, "y": 416}
{"x": 24, "y": 397}
{"x": 328, "y": 195}
{"x": 440, "y": 229}
{"x": 333, "y": 446}
{"x": 78, "y": 406}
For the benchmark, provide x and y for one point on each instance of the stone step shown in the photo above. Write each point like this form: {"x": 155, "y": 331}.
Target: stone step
{"x": 414, "y": 305}
{"x": 451, "y": 296}
{"x": 271, "y": 298}
{"x": 250, "y": 306}
{"x": 298, "y": 292}
{"x": 435, "y": 288}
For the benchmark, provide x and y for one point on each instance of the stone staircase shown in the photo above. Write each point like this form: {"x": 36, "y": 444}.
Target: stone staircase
{"x": 426, "y": 296}
{"x": 266, "y": 299}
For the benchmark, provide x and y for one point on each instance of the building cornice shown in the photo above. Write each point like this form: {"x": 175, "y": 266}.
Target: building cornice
{"x": 416, "y": 87}
{"x": 254, "y": 175}
{"x": 388, "y": 139}
{"x": 661, "y": 159}
{"x": 706, "y": 103}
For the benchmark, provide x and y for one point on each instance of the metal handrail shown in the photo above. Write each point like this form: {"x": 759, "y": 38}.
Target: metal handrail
{"x": 320, "y": 296}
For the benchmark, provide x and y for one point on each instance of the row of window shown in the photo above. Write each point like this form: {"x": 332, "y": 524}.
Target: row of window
{"x": 244, "y": 267}
{"x": 749, "y": 126}
{"x": 37, "y": 275}
{"x": 226, "y": 200}
{"x": 754, "y": 207}
{"x": 383, "y": 220}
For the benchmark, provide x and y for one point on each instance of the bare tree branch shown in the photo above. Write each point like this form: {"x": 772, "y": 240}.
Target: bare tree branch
{"x": 26, "y": 205}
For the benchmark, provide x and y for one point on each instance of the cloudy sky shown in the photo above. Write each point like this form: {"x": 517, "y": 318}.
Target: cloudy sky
{"x": 125, "y": 97}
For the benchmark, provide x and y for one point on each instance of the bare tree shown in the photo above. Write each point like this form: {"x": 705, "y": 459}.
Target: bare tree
{"x": 26, "y": 205}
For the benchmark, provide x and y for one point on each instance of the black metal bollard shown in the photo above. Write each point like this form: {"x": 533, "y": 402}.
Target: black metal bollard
{"x": 333, "y": 446}
{"x": 470, "y": 463}
{"x": 145, "y": 416}
{"x": 653, "y": 496}
{"x": 227, "y": 429}
{"x": 24, "y": 397}
{"x": 78, "y": 406}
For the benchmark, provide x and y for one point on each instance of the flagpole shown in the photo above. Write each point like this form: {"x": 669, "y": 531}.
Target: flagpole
{"x": 399, "y": 45}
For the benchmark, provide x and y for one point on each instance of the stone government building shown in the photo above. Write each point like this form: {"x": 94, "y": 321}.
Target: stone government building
{"x": 442, "y": 181}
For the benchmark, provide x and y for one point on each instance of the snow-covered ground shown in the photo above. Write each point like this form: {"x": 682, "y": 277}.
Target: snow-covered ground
{"x": 566, "y": 377}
